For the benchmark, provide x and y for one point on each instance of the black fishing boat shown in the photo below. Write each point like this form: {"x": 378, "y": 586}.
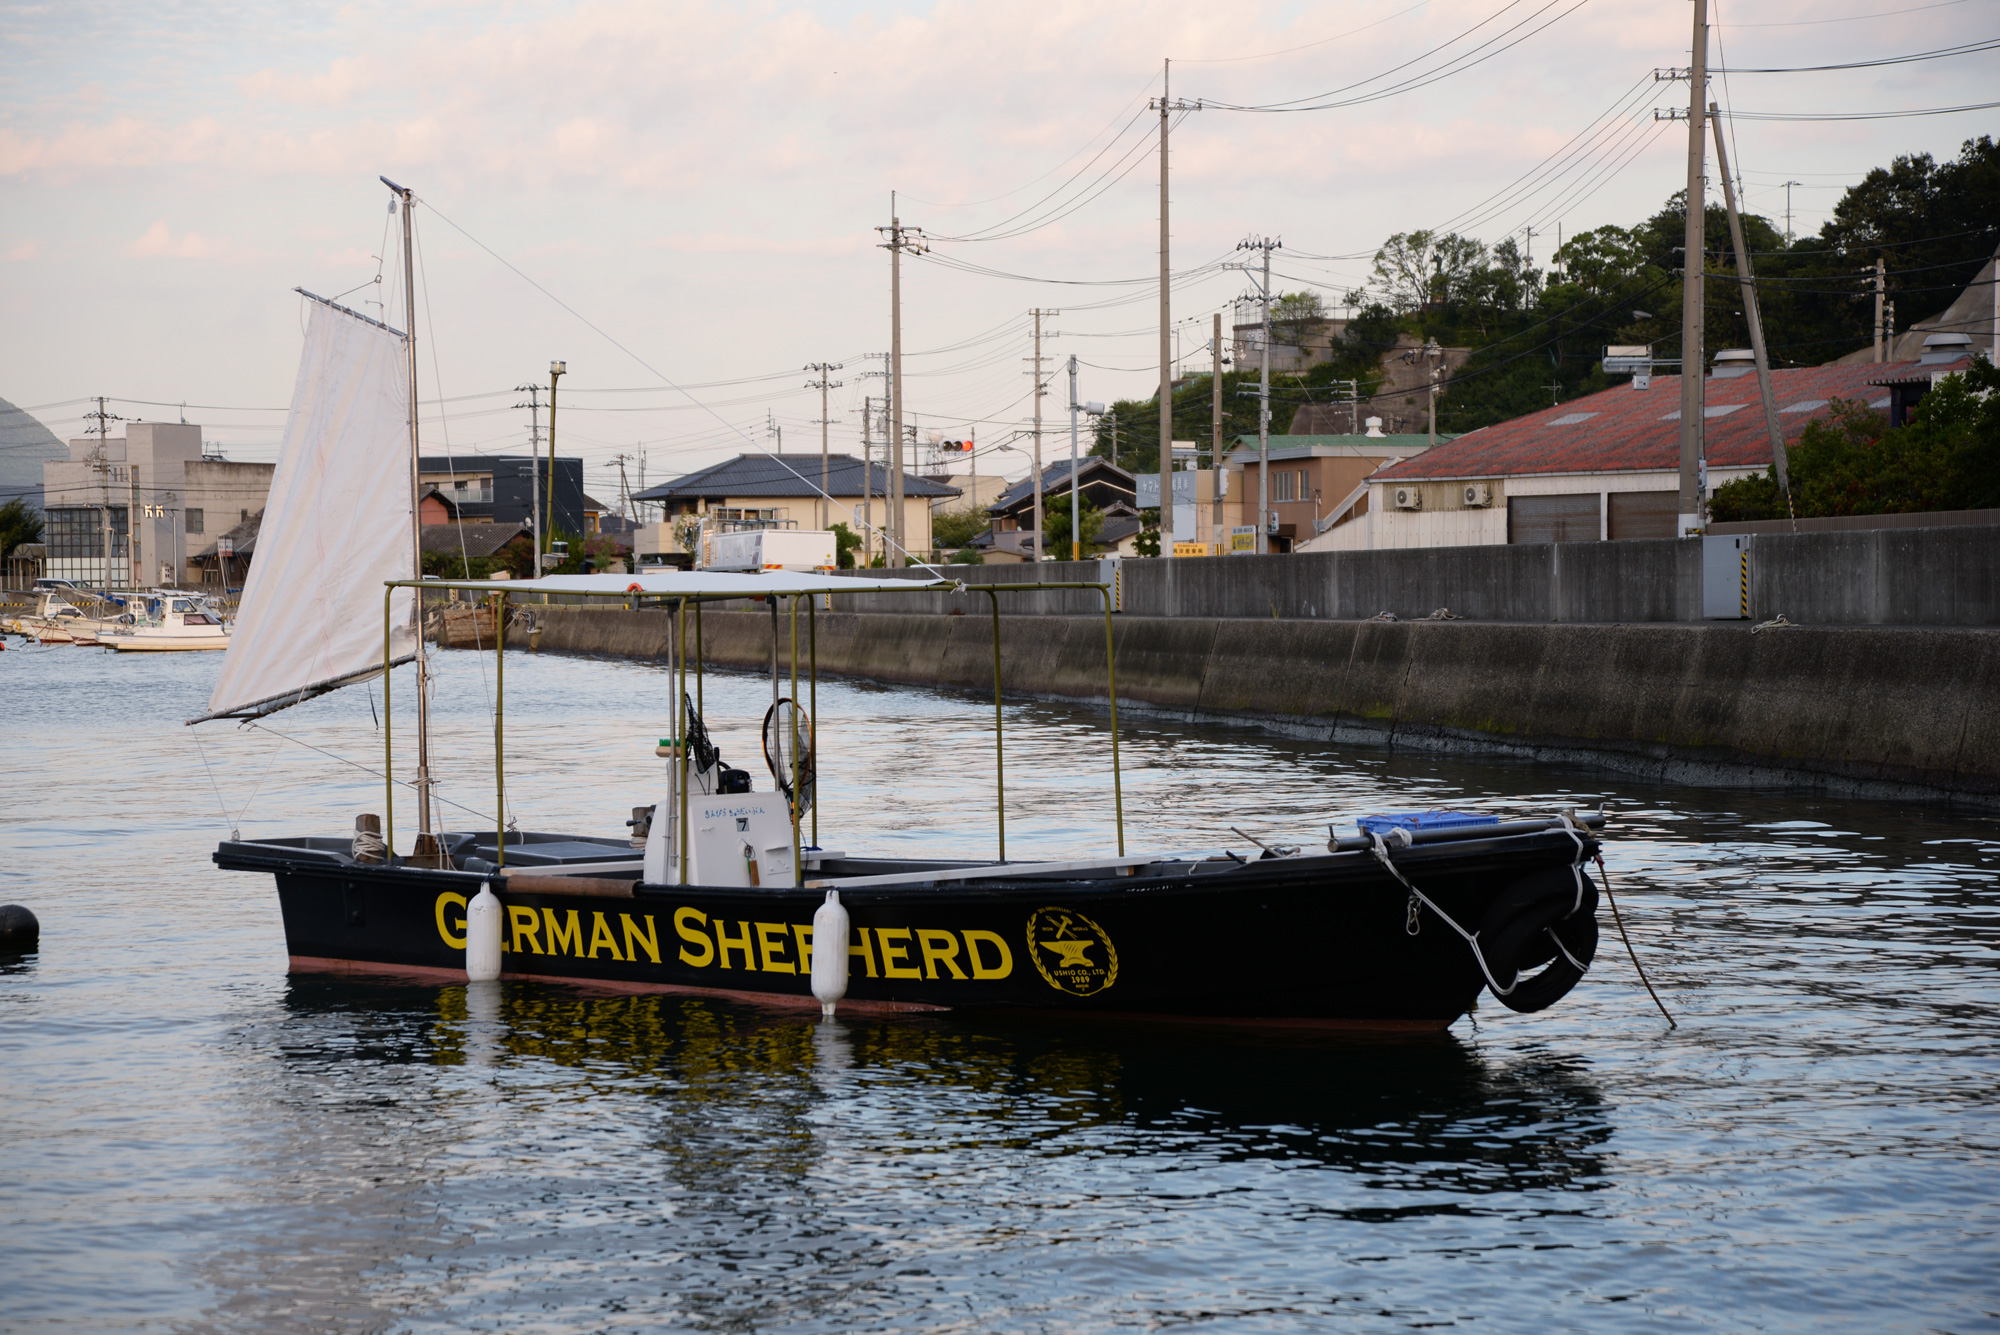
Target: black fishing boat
{"x": 1329, "y": 938}
{"x": 725, "y": 890}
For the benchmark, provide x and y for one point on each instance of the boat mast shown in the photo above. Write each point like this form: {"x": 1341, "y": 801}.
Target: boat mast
{"x": 423, "y": 784}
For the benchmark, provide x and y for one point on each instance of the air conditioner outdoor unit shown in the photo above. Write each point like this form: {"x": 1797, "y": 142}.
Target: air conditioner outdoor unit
{"x": 1478, "y": 495}
{"x": 1409, "y": 498}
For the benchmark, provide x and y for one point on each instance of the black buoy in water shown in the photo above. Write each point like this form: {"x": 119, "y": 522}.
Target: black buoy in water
{"x": 19, "y": 931}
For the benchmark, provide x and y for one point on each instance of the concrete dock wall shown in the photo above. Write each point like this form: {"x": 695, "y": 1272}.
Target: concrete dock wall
{"x": 1892, "y": 711}
{"x": 1907, "y": 576}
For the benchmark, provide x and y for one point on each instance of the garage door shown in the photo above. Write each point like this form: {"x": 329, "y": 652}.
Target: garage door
{"x": 1570, "y": 518}
{"x": 1644, "y": 514}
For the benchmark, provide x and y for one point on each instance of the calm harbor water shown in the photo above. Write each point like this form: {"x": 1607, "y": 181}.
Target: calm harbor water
{"x": 196, "y": 1141}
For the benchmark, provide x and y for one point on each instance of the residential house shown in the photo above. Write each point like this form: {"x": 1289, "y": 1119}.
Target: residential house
{"x": 507, "y": 488}
{"x": 783, "y": 491}
{"x": 1314, "y": 479}
{"x": 1607, "y": 466}
{"x": 1100, "y": 482}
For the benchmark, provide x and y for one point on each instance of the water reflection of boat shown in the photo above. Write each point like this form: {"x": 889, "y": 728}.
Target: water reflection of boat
{"x": 725, "y": 890}
{"x": 1415, "y": 1116}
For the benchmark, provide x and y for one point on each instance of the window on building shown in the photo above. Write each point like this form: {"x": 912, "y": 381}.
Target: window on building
{"x": 1284, "y": 485}
{"x": 75, "y": 534}
{"x": 194, "y": 521}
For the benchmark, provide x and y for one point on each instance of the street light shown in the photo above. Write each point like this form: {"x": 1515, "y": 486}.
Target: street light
{"x": 1075, "y": 508}
{"x": 556, "y": 371}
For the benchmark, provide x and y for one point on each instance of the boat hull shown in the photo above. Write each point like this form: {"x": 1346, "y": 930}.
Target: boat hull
{"x": 143, "y": 644}
{"x": 1319, "y": 940}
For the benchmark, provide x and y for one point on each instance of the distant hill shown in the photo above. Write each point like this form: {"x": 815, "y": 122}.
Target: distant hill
{"x": 25, "y": 445}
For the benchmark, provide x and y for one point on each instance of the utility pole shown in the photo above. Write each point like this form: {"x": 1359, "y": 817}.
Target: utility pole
{"x": 867, "y": 483}
{"x": 1694, "y": 241}
{"x": 1041, "y": 539}
{"x": 1528, "y": 258}
{"x": 556, "y": 372}
{"x": 822, "y": 384}
{"x": 1788, "y": 209}
{"x": 104, "y": 418}
{"x": 901, "y": 238}
{"x": 1166, "y": 106}
{"x": 1432, "y": 354}
{"x": 1881, "y": 291}
{"x": 534, "y": 407}
{"x": 1266, "y": 245}
{"x": 1748, "y": 286}
{"x": 1215, "y": 427}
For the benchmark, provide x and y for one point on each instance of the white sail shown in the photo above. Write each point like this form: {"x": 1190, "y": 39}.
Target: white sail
{"x": 336, "y": 526}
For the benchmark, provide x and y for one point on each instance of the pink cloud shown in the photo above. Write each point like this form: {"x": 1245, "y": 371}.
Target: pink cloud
{"x": 158, "y": 242}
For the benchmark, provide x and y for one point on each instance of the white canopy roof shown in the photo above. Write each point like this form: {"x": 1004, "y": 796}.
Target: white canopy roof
{"x": 697, "y": 584}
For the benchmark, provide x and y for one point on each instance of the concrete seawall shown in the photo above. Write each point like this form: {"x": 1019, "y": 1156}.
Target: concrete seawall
{"x": 1890, "y": 711}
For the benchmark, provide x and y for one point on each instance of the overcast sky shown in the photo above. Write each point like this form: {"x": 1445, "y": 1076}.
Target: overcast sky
{"x": 702, "y": 183}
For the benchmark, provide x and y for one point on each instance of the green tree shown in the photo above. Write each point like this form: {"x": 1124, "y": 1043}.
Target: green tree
{"x": 955, "y": 528}
{"x": 1148, "y": 541}
{"x": 1055, "y": 524}
{"x": 18, "y": 524}
{"x": 846, "y": 542}
{"x": 1850, "y": 463}
{"x": 1296, "y": 316}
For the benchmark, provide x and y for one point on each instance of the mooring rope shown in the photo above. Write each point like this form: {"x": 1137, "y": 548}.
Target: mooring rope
{"x": 1381, "y": 851}
{"x": 1619, "y": 918}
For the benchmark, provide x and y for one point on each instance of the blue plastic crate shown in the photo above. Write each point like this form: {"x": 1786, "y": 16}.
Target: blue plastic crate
{"x": 1425, "y": 820}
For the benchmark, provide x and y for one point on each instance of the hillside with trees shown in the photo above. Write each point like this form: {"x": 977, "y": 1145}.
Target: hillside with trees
{"x": 1537, "y": 336}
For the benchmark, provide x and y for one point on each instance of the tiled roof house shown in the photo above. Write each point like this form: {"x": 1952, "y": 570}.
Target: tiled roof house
{"x": 1606, "y": 466}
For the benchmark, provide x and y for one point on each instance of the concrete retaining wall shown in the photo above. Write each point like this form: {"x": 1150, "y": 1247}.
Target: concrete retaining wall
{"x": 1907, "y": 576}
{"x": 1890, "y": 711}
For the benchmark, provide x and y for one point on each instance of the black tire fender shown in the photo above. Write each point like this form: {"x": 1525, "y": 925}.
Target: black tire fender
{"x": 1547, "y": 918}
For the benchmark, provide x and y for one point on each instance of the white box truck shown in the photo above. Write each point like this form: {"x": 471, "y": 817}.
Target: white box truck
{"x": 769, "y": 549}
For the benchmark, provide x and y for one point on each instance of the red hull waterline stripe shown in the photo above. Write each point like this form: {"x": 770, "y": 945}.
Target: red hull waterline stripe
{"x": 425, "y": 974}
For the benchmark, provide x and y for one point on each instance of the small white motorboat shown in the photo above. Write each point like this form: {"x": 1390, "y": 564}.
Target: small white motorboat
{"x": 167, "y": 620}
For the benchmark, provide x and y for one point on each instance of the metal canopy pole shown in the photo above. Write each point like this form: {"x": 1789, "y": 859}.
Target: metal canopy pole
{"x": 680, "y": 709}
{"x": 388, "y": 740}
{"x": 798, "y": 794}
{"x": 812, "y": 664}
{"x": 999, "y": 746}
{"x": 501, "y": 728}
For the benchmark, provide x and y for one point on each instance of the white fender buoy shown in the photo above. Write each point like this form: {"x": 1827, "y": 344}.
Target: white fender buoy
{"x": 829, "y": 952}
{"x": 482, "y": 936}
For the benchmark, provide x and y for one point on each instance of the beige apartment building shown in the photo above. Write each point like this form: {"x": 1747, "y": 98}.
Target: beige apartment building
{"x": 128, "y": 511}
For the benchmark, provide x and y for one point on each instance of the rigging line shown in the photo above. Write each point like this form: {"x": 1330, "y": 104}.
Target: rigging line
{"x": 1463, "y": 63}
{"x": 234, "y": 832}
{"x": 1603, "y": 149}
{"x": 451, "y": 467}
{"x": 1140, "y": 152}
{"x": 1144, "y": 88}
{"x": 749, "y": 439}
{"x": 1854, "y": 18}
{"x": 1605, "y": 174}
{"x": 1728, "y": 99}
{"x": 1941, "y": 53}
{"x": 375, "y": 773}
{"x": 1856, "y": 115}
{"x": 975, "y": 234}
{"x": 1376, "y": 78}
{"x": 1266, "y": 55}
{"x": 1640, "y": 90}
